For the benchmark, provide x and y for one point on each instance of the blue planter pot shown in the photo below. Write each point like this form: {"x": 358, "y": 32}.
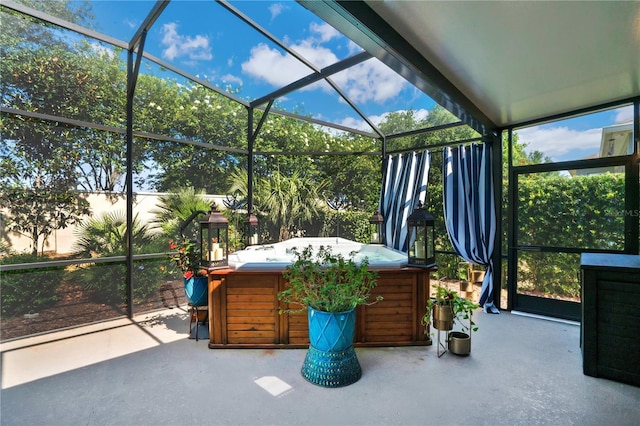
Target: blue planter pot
{"x": 195, "y": 289}
{"x": 331, "y": 359}
{"x": 331, "y": 331}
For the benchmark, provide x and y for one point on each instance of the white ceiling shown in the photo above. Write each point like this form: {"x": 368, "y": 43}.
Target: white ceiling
{"x": 518, "y": 61}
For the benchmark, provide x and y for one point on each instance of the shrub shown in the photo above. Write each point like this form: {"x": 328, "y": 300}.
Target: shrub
{"x": 107, "y": 282}
{"x": 354, "y": 225}
{"x": 578, "y": 212}
{"x": 105, "y": 236}
{"x": 27, "y": 291}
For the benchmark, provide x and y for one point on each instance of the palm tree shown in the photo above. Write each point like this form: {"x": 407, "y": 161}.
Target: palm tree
{"x": 290, "y": 200}
{"x": 175, "y": 208}
{"x": 106, "y": 235}
{"x": 284, "y": 201}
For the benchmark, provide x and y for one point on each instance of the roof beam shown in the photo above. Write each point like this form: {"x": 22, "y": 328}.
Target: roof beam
{"x": 266, "y": 34}
{"x": 62, "y": 23}
{"x": 361, "y": 24}
{"x": 313, "y": 77}
{"x": 148, "y": 22}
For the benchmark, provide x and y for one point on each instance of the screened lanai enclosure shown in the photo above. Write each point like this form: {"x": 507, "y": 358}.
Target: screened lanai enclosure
{"x": 122, "y": 119}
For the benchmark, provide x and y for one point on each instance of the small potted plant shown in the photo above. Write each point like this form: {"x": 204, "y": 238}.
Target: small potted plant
{"x": 447, "y": 308}
{"x": 186, "y": 256}
{"x": 330, "y": 287}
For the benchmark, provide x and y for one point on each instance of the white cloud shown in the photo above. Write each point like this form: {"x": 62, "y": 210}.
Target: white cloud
{"x": 365, "y": 82}
{"x": 360, "y": 124}
{"x": 194, "y": 48}
{"x": 624, "y": 114}
{"x": 355, "y": 123}
{"x": 421, "y": 114}
{"x": 276, "y": 9}
{"x": 232, "y": 79}
{"x": 318, "y": 55}
{"x": 274, "y": 67}
{"x": 558, "y": 142}
{"x": 103, "y": 50}
{"x": 370, "y": 81}
{"x": 353, "y": 48}
{"x": 555, "y": 142}
{"x": 131, "y": 24}
{"x": 325, "y": 31}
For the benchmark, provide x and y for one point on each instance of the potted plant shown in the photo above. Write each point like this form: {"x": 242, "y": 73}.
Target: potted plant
{"x": 186, "y": 256}
{"x": 330, "y": 287}
{"x": 447, "y": 308}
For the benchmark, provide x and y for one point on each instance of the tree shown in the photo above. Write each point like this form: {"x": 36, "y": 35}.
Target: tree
{"x": 102, "y": 163}
{"x": 175, "y": 208}
{"x": 19, "y": 30}
{"x": 284, "y": 201}
{"x": 192, "y": 113}
{"x": 290, "y": 201}
{"x": 357, "y": 176}
{"x": 104, "y": 236}
{"x": 34, "y": 185}
{"x": 40, "y": 73}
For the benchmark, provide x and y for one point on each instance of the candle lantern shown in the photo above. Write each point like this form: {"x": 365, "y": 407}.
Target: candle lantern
{"x": 421, "y": 235}
{"x": 214, "y": 240}
{"x": 251, "y": 230}
{"x": 375, "y": 227}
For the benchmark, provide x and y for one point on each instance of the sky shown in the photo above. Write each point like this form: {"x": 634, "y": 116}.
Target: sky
{"x": 576, "y": 138}
{"x": 204, "y": 39}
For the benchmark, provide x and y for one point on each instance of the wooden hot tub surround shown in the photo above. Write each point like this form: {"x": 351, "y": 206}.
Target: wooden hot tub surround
{"x": 244, "y": 311}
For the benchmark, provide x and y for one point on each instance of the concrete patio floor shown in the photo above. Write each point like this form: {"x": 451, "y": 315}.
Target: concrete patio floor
{"x": 522, "y": 370}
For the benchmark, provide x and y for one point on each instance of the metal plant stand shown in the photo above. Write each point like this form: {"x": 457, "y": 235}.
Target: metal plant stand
{"x": 440, "y": 345}
{"x": 194, "y": 317}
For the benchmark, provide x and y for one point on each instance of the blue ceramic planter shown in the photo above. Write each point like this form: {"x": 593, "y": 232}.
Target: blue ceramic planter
{"x": 195, "y": 289}
{"x": 331, "y": 360}
{"x": 331, "y": 331}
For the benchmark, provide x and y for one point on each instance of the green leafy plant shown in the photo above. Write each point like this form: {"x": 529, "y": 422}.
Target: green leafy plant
{"x": 462, "y": 307}
{"x": 327, "y": 282}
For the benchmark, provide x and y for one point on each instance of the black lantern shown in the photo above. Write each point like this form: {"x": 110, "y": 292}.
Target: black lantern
{"x": 214, "y": 239}
{"x": 375, "y": 228}
{"x": 251, "y": 230}
{"x": 421, "y": 235}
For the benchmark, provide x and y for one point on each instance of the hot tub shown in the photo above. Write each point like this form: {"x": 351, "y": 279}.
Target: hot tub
{"x": 244, "y": 306}
{"x": 278, "y": 256}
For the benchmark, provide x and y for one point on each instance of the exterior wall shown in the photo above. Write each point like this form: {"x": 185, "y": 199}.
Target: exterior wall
{"x": 62, "y": 240}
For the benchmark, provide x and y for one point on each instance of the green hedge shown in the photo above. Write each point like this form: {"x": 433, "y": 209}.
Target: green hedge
{"x": 107, "y": 282}
{"x": 354, "y": 225}
{"x": 584, "y": 212}
{"x": 578, "y": 212}
{"x": 27, "y": 291}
